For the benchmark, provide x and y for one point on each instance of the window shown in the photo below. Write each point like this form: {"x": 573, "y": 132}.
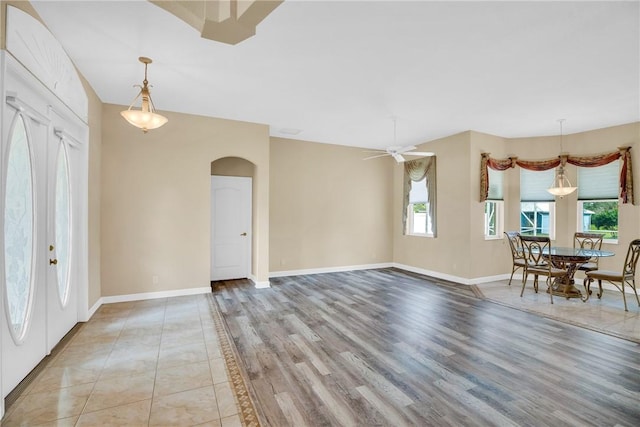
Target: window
{"x": 493, "y": 207}
{"x": 418, "y": 219}
{"x": 419, "y": 197}
{"x": 537, "y": 219}
{"x": 493, "y": 219}
{"x": 537, "y": 205}
{"x": 598, "y": 200}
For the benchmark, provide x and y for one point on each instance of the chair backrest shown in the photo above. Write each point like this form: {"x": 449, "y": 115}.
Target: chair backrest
{"x": 514, "y": 243}
{"x": 633, "y": 253}
{"x": 588, "y": 241}
{"x": 534, "y": 247}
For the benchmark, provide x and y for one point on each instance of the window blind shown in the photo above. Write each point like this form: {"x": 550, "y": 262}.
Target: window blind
{"x": 418, "y": 193}
{"x": 599, "y": 183}
{"x": 495, "y": 185}
{"x": 534, "y": 184}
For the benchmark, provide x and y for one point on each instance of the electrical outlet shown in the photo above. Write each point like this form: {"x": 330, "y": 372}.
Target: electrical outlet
{"x": 155, "y": 280}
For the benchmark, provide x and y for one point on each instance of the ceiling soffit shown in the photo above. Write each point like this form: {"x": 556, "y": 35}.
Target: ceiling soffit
{"x": 226, "y": 21}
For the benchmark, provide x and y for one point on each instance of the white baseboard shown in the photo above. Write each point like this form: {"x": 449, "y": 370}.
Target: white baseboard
{"x": 155, "y": 295}
{"x": 488, "y": 279}
{"x": 259, "y": 284}
{"x": 436, "y": 274}
{"x": 93, "y": 309}
{"x": 329, "y": 269}
{"x": 412, "y": 269}
{"x": 144, "y": 296}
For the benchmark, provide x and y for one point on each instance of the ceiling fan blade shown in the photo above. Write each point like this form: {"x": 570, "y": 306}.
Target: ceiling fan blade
{"x": 420, "y": 153}
{"x": 375, "y": 157}
{"x": 402, "y": 150}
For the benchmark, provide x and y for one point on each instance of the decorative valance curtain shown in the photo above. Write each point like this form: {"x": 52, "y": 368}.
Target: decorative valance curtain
{"x": 626, "y": 176}
{"x": 416, "y": 170}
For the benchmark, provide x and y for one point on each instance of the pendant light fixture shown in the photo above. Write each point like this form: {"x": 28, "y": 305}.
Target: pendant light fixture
{"x": 561, "y": 185}
{"x": 145, "y": 118}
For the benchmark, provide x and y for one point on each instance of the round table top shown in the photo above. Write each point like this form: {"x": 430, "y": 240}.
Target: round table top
{"x": 561, "y": 252}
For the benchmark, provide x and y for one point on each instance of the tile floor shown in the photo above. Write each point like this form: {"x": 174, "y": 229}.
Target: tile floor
{"x": 143, "y": 363}
{"x": 604, "y": 315}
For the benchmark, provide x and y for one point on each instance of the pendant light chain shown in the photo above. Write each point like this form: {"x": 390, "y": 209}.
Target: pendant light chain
{"x": 561, "y": 185}
{"x": 560, "y": 121}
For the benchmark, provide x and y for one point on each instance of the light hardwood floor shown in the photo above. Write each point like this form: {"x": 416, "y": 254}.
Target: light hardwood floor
{"x": 384, "y": 347}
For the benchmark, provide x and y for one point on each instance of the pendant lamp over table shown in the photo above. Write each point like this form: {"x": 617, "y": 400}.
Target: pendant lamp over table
{"x": 561, "y": 185}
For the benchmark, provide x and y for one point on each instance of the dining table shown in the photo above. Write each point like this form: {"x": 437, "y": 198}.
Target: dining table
{"x": 570, "y": 259}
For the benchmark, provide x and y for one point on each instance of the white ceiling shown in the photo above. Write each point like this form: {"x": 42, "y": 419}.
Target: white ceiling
{"x": 338, "y": 71}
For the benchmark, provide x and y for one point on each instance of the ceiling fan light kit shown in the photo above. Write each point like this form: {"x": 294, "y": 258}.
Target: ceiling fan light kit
{"x": 145, "y": 118}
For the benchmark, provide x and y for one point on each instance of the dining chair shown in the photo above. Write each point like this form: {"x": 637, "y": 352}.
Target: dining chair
{"x": 534, "y": 248}
{"x": 517, "y": 255}
{"x": 618, "y": 278}
{"x": 588, "y": 241}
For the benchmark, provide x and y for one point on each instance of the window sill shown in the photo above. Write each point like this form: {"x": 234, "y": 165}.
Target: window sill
{"x": 419, "y": 235}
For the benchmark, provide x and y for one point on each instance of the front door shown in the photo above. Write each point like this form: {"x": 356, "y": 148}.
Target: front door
{"x": 42, "y": 246}
{"x": 230, "y": 227}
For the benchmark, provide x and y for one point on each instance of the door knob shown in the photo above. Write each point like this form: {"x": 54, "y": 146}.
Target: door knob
{"x": 243, "y": 234}
{"x": 53, "y": 261}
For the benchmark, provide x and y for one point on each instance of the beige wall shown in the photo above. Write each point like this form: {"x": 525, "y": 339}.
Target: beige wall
{"x": 95, "y": 164}
{"x": 156, "y": 199}
{"x": 232, "y": 166}
{"x": 449, "y": 252}
{"x": 488, "y": 257}
{"x": 149, "y": 201}
{"x": 460, "y": 249}
{"x": 329, "y": 208}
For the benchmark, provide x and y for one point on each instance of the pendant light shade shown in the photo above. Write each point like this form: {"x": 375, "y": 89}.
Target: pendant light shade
{"x": 145, "y": 118}
{"x": 561, "y": 185}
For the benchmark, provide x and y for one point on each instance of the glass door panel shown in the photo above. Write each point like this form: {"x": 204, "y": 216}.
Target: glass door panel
{"x": 62, "y": 223}
{"x": 18, "y": 231}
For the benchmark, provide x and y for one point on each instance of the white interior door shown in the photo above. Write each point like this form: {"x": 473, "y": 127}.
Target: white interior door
{"x": 230, "y": 227}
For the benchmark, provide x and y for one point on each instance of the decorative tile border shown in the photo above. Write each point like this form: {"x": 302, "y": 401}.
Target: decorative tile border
{"x": 248, "y": 414}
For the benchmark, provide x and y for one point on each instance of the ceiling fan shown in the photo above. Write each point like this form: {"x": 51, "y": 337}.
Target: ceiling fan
{"x": 397, "y": 151}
